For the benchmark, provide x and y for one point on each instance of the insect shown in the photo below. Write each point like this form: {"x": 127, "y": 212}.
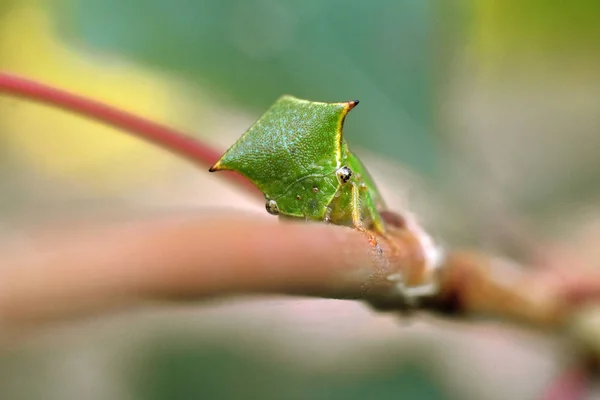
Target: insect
{"x": 295, "y": 154}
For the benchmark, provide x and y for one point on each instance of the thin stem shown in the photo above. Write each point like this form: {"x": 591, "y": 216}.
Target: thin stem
{"x": 161, "y": 135}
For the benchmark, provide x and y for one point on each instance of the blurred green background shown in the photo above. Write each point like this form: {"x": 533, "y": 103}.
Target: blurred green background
{"x": 249, "y": 53}
{"x": 481, "y": 115}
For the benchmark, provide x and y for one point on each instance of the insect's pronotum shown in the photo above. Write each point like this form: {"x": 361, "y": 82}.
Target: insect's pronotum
{"x": 297, "y": 156}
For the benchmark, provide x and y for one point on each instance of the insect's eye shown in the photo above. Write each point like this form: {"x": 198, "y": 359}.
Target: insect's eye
{"x": 272, "y": 208}
{"x": 344, "y": 174}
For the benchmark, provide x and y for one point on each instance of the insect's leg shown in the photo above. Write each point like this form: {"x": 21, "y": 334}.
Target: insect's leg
{"x": 357, "y": 217}
{"x": 376, "y": 219}
{"x": 377, "y": 223}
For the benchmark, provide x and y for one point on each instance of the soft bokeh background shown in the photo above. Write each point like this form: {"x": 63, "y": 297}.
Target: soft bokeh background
{"x": 481, "y": 116}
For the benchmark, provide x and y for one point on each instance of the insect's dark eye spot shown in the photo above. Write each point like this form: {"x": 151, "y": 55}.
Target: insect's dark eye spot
{"x": 272, "y": 208}
{"x": 315, "y": 189}
{"x": 344, "y": 174}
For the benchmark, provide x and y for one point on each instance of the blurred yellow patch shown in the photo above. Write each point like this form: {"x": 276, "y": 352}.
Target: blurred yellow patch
{"x": 559, "y": 35}
{"x": 67, "y": 146}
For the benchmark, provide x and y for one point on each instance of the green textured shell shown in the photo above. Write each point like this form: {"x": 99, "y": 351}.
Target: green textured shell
{"x": 292, "y": 153}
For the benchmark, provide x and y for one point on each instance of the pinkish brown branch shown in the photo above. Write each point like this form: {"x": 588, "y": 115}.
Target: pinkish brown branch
{"x": 100, "y": 268}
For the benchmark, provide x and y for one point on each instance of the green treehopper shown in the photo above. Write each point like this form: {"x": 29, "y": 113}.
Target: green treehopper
{"x": 296, "y": 155}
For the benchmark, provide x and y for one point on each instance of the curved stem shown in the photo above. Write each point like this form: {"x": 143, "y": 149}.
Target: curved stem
{"x": 161, "y": 135}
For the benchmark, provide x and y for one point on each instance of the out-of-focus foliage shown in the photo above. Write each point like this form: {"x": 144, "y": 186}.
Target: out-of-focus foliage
{"x": 57, "y": 143}
{"x": 187, "y": 371}
{"x": 535, "y": 28}
{"x": 515, "y": 98}
{"x": 519, "y": 111}
{"x": 251, "y": 52}
{"x": 5, "y": 5}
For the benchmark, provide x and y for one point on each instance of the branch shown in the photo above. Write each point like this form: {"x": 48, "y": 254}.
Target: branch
{"x": 83, "y": 270}
{"x": 80, "y": 271}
